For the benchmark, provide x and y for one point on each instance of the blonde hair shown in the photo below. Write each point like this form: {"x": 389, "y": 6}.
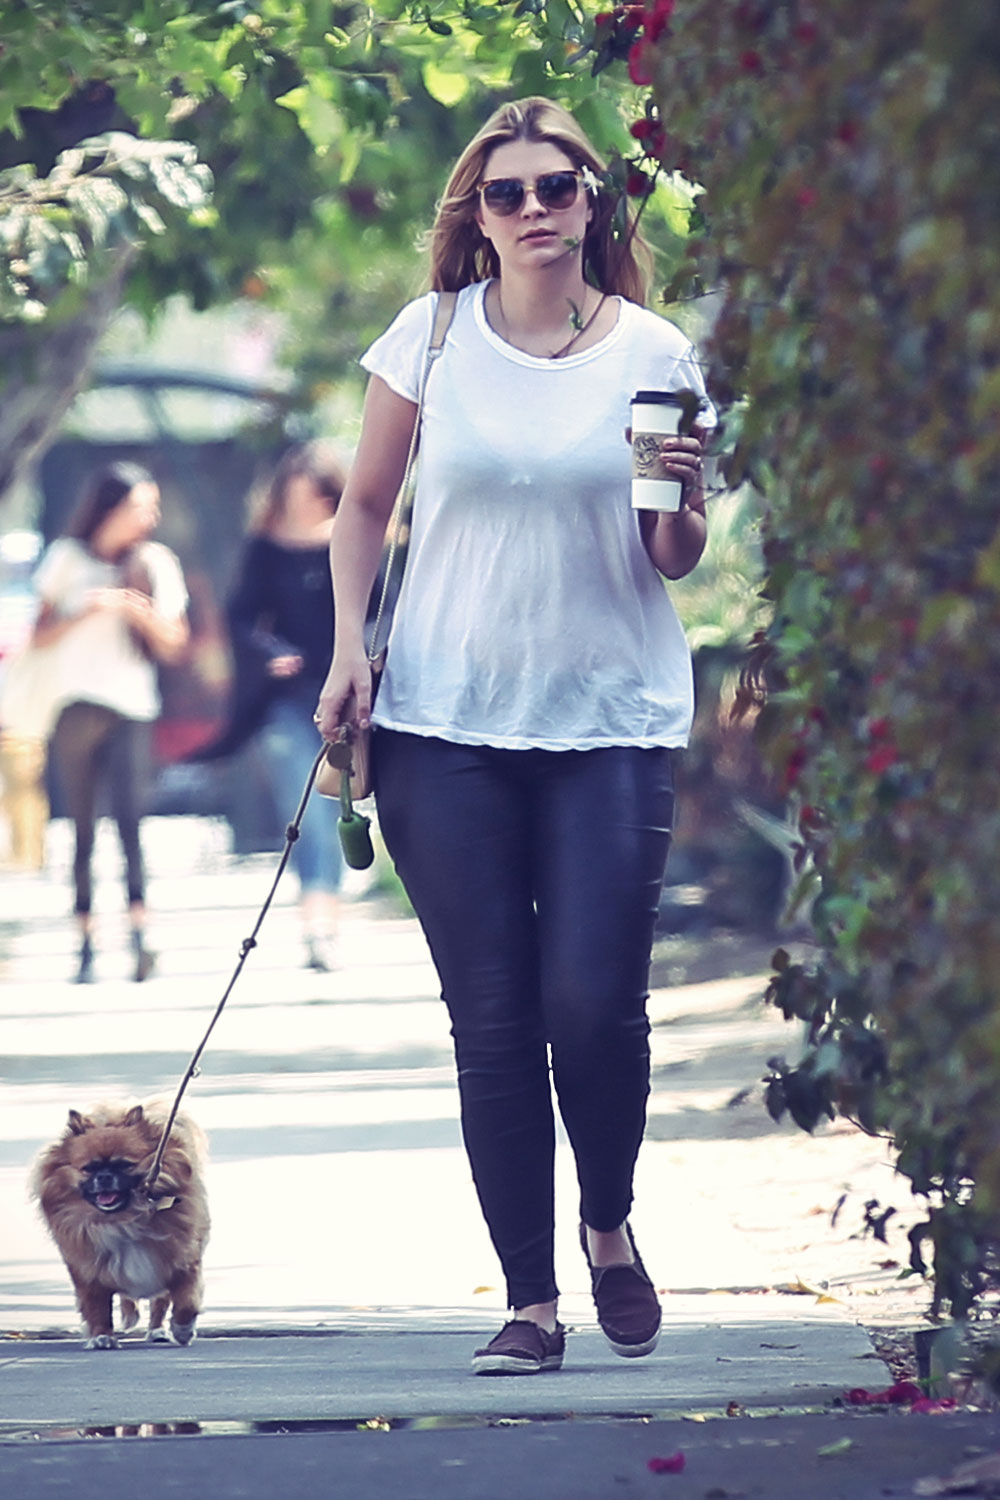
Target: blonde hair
{"x": 459, "y": 252}
{"x": 318, "y": 462}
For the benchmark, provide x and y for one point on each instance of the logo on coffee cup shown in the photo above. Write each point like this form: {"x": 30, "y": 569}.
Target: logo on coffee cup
{"x": 647, "y": 461}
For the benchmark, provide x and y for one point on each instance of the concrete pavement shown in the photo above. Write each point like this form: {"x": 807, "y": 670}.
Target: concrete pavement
{"x": 333, "y": 1298}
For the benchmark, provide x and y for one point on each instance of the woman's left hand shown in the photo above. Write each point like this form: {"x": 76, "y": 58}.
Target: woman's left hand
{"x": 684, "y": 458}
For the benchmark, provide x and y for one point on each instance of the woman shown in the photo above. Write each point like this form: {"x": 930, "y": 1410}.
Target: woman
{"x": 281, "y": 620}
{"x": 537, "y": 684}
{"x": 114, "y": 604}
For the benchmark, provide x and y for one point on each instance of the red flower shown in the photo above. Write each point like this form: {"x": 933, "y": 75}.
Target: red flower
{"x": 794, "y": 767}
{"x": 634, "y": 17}
{"x": 881, "y": 759}
{"x": 900, "y": 1394}
{"x": 637, "y": 184}
{"x": 806, "y": 32}
{"x": 751, "y": 61}
{"x": 672, "y": 1465}
{"x": 604, "y": 18}
{"x": 654, "y": 136}
{"x": 848, "y": 132}
{"x": 807, "y": 197}
{"x": 657, "y": 19}
{"x": 637, "y": 68}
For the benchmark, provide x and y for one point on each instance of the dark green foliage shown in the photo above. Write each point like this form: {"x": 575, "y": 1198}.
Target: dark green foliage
{"x": 849, "y": 155}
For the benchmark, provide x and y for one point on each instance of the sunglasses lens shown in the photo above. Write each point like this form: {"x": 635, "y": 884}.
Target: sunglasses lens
{"x": 504, "y": 195}
{"x": 557, "y": 189}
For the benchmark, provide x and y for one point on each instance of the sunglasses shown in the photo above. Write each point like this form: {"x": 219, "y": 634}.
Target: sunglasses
{"x": 505, "y": 195}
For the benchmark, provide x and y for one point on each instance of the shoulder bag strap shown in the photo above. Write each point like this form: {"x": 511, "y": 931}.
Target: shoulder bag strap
{"x": 443, "y": 316}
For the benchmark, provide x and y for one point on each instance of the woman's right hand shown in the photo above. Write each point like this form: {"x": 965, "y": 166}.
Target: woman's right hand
{"x": 346, "y": 696}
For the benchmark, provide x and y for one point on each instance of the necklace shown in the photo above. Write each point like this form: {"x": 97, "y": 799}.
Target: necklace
{"x": 580, "y": 327}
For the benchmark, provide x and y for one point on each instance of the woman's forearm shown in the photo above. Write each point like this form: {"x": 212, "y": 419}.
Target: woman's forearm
{"x": 166, "y": 638}
{"x": 675, "y": 540}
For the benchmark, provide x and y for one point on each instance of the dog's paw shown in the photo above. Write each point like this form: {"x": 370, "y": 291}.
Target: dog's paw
{"x": 102, "y": 1341}
{"x": 157, "y": 1336}
{"x": 184, "y": 1333}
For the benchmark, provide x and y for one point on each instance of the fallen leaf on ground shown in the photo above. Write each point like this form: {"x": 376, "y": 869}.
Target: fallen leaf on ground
{"x": 672, "y": 1465}
{"x": 832, "y": 1450}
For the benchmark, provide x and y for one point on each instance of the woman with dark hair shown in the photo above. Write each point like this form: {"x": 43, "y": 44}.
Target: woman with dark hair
{"x": 114, "y": 602}
{"x": 537, "y": 685}
{"x": 281, "y": 620}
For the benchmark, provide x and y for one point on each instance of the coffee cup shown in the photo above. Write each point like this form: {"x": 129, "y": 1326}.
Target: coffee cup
{"x": 655, "y": 415}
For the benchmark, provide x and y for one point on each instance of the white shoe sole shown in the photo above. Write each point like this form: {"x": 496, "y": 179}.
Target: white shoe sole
{"x": 635, "y": 1351}
{"x": 509, "y": 1364}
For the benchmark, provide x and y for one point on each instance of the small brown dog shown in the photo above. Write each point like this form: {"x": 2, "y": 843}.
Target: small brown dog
{"x": 115, "y": 1236}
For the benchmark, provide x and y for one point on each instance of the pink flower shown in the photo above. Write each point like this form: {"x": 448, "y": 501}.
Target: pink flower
{"x": 881, "y": 759}
{"x": 672, "y": 1465}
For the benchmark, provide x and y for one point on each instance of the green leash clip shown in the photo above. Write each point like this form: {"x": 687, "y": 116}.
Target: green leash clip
{"x": 353, "y": 828}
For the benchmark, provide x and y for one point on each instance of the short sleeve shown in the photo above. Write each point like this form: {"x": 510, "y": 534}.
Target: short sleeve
{"x": 397, "y": 355}
{"x": 55, "y": 573}
{"x": 169, "y": 590}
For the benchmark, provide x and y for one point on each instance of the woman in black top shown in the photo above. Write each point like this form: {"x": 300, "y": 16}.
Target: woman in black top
{"x": 281, "y": 619}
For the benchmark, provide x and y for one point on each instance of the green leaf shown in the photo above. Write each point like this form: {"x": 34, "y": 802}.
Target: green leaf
{"x": 448, "y": 88}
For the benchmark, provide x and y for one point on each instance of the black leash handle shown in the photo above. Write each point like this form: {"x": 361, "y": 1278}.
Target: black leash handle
{"x": 247, "y": 945}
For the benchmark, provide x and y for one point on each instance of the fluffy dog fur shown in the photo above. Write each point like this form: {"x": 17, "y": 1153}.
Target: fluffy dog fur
{"x": 113, "y": 1236}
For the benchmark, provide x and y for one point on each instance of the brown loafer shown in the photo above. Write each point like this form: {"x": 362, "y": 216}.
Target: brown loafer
{"x": 628, "y": 1308}
{"x": 521, "y": 1348}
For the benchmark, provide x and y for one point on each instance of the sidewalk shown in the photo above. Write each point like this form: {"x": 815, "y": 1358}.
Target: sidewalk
{"x": 330, "y": 1107}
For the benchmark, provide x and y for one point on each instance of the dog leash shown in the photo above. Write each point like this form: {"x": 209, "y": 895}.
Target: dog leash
{"x": 246, "y": 947}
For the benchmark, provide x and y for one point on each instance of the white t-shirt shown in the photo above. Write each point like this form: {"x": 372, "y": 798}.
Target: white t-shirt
{"x": 530, "y": 614}
{"x": 98, "y": 661}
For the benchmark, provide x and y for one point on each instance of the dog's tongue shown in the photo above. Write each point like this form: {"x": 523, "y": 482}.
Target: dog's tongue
{"x": 107, "y": 1200}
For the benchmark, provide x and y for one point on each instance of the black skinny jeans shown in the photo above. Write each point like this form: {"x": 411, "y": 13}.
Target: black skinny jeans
{"x": 536, "y": 876}
{"x": 94, "y": 746}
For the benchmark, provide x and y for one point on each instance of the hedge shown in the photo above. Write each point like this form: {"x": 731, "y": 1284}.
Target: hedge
{"x": 850, "y": 159}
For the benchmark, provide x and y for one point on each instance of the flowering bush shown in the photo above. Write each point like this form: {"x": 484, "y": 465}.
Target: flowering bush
{"x": 852, "y": 203}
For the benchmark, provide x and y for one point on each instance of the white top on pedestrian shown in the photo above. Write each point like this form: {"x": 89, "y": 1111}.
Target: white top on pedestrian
{"x": 530, "y": 613}
{"x": 98, "y": 661}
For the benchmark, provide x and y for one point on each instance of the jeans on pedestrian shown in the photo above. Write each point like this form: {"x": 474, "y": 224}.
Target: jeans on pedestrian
{"x": 95, "y": 747}
{"x": 291, "y": 743}
{"x": 536, "y": 876}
